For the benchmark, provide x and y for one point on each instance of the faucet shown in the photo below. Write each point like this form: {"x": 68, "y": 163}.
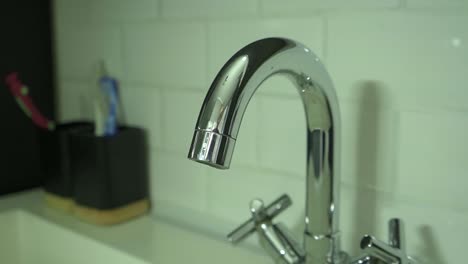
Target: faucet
{"x": 216, "y": 132}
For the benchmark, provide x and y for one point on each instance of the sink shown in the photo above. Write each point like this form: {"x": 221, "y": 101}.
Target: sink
{"x": 28, "y": 239}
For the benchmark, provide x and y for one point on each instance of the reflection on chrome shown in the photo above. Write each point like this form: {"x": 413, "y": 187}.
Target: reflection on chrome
{"x": 218, "y": 125}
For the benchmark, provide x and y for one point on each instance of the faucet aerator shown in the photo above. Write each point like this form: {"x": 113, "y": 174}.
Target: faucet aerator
{"x": 212, "y": 148}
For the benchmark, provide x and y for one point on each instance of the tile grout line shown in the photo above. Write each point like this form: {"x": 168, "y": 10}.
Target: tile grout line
{"x": 258, "y": 133}
{"x": 207, "y": 29}
{"x": 403, "y": 5}
{"x": 260, "y": 9}
{"x": 123, "y": 51}
{"x": 159, "y": 9}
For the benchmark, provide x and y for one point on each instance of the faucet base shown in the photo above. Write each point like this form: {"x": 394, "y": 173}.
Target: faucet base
{"x": 324, "y": 248}
{"x": 340, "y": 258}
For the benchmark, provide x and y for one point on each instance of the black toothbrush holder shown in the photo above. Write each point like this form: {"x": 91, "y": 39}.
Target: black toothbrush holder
{"x": 101, "y": 179}
{"x": 110, "y": 175}
{"x": 55, "y": 162}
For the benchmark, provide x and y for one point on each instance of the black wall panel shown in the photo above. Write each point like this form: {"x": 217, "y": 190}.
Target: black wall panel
{"x": 26, "y": 48}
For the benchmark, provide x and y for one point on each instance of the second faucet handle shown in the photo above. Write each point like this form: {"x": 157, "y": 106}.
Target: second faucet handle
{"x": 274, "y": 238}
{"x": 259, "y": 213}
{"x": 394, "y": 251}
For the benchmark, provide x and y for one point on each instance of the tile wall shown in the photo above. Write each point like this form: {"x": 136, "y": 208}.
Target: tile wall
{"x": 401, "y": 72}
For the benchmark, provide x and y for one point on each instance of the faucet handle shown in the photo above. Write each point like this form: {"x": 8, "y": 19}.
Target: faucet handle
{"x": 394, "y": 251}
{"x": 396, "y": 234}
{"x": 274, "y": 238}
{"x": 260, "y": 213}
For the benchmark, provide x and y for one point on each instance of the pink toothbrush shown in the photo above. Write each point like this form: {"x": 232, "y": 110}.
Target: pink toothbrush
{"x": 21, "y": 94}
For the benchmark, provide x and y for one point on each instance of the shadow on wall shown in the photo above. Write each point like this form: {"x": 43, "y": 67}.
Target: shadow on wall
{"x": 429, "y": 252}
{"x": 371, "y": 96}
{"x": 374, "y": 101}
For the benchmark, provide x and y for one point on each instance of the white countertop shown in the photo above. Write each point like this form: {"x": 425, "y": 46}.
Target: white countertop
{"x": 150, "y": 239}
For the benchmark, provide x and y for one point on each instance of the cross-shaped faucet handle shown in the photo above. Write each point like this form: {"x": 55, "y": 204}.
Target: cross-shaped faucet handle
{"x": 259, "y": 214}
{"x": 393, "y": 252}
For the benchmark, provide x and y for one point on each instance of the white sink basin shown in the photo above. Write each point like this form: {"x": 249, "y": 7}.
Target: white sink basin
{"x": 31, "y": 233}
{"x": 28, "y": 239}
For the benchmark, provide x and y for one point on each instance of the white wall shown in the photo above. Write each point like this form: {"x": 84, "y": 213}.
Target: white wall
{"x": 401, "y": 74}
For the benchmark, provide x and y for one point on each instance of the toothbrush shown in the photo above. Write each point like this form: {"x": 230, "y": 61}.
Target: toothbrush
{"x": 110, "y": 87}
{"x": 106, "y": 104}
{"x": 21, "y": 94}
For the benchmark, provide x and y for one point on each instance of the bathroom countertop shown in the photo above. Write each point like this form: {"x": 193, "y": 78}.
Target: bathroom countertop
{"x": 150, "y": 239}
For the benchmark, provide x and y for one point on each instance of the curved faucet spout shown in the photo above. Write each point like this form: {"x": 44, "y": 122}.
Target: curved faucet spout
{"x": 224, "y": 106}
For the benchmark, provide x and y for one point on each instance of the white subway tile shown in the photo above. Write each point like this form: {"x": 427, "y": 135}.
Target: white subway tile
{"x": 420, "y": 60}
{"x": 96, "y": 11}
{"x": 295, "y": 7}
{"x": 74, "y": 102}
{"x": 80, "y": 49}
{"x": 439, "y": 4}
{"x": 246, "y": 149}
{"x": 368, "y": 142}
{"x": 226, "y": 38}
{"x": 181, "y": 110}
{"x": 183, "y": 9}
{"x": 433, "y": 158}
{"x": 230, "y": 192}
{"x": 142, "y": 107}
{"x": 124, "y": 10}
{"x": 168, "y": 54}
{"x": 177, "y": 180}
{"x": 282, "y": 137}
{"x": 71, "y": 11}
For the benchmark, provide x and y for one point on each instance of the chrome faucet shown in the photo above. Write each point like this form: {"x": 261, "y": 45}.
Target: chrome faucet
{"x": 216, "y": 132}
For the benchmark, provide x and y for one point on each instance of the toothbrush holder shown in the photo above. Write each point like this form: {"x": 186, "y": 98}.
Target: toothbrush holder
{"x": 55, "y": 162}
{"x": 110, "y": 175}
